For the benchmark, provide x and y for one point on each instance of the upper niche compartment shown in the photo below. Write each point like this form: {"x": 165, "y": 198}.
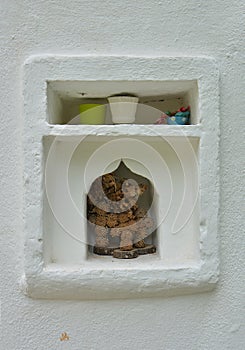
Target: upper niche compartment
{"x": 64, "y": 98}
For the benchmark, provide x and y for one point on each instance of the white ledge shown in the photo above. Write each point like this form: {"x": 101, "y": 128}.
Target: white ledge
{"x": 88, "y": 283}
{"x": 124, "y": 130}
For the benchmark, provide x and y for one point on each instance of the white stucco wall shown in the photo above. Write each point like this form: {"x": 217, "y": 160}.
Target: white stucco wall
{"x": 201, "y": 321}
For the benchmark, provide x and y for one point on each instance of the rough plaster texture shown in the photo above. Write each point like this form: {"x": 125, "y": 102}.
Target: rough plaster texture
{"x": 211, "y": 320}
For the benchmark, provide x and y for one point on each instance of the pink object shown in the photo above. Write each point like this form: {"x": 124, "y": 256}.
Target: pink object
{"x": 162, "y": 119}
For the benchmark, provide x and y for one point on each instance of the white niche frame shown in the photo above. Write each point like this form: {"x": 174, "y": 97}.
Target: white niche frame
{"x": 42, "y": 280}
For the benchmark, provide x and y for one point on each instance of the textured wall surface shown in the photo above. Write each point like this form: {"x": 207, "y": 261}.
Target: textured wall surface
{"x": 201, "y": 321}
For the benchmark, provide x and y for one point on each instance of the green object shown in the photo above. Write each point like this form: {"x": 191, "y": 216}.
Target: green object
{"x": 92, "y": 113}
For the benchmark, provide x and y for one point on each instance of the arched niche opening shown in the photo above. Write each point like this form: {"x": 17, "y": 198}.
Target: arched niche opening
{"x": 121, "y": 213}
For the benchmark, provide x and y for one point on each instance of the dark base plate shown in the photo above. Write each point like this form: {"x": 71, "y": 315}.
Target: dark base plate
{"x": 103, "y": 251}
{"x": 148, "y": 249}
{"x": 125, "y": 254}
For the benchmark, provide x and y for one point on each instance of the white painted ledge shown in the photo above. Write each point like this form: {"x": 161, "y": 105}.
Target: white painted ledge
{"x": 84, "y": 283}
{"x": 124, "y": 130}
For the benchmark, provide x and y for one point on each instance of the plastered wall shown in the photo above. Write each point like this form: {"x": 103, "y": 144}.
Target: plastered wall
{"x": 211, "y": 320}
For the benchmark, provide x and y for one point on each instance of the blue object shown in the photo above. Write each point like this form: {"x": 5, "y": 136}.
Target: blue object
{"x": 180, "y": 118}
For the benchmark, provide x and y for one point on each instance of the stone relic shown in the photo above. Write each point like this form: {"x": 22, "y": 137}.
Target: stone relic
{"x": 119, "y": 223}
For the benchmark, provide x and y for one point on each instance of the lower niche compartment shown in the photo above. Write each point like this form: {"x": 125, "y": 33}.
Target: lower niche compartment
{"x": 169, "y": 175}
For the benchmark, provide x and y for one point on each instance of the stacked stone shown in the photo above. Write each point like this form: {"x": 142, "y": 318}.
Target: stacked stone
{"x": 102, "y": 240}
{"x": 113, "y": 208}
{"x": 126, "y": 242}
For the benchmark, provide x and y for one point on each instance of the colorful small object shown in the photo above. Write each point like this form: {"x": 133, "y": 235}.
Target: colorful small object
{"x": 181, "y": 117}
{"x": 162, "y": 120}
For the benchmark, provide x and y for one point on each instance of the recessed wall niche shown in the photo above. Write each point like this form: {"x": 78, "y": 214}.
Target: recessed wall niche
{"x": 64, "y": 98}
{"x": 171, "y": 169}
{"x": 62, "y": 161}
